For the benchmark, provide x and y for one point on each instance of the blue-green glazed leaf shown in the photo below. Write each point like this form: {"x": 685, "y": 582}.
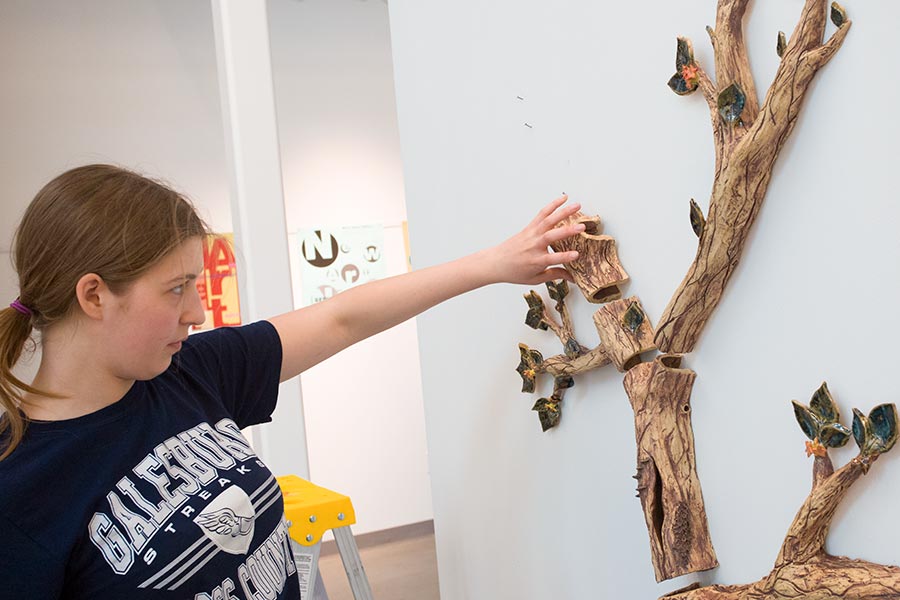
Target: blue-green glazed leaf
{"x": 838, "y": 14}
{"x": 549, "y": 413}
{"x": 679, "y": 85}
{"x": 883, "y": 427}
{"x": 533, "y": 300}
{"x": 698, "y": 221}
{"x": 823, "y": 407}
{"x": 731, "y": 103}
{"x": 860, "y": 427}
{"x": 834, "y": 435}
{"x": 684, "y": 54}
{"x": 529, "y": 361}
{"x": 782, "y": 44}
{"x": 807, "y": 422}
{"x": 633, "y": 317}
{"x": 558, "y": 289}
{"x": 572, "y": 348}
{"x": 534, "y": 318}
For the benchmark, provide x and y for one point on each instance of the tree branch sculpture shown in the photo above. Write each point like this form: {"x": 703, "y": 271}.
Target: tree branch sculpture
{"x": 803, "y": 569}
{"x": 747, "y": 139}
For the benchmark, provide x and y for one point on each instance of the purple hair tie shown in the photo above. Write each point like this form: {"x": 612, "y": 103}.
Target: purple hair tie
{"x": 21, "y": 308}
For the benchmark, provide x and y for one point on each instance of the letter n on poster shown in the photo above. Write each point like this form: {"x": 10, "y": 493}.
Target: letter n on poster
{"x": 218, "y": 285}
{"x": 336, "y": 259}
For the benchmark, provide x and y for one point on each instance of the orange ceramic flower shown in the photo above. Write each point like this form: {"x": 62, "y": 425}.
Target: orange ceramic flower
{"x": 690, "y": 73}
{"x": 814, "y": 447}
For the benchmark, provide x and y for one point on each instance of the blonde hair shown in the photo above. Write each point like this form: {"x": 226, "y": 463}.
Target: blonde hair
{"x": 98, "y": 219}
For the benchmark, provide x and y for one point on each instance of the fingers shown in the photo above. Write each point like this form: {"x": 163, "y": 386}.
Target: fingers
{"x": 548, "y": 210}
{"x": 558, "y": 258}
{"x": 561, "y": 233}
{"x": 559, "y": 215}
{"x": 554, "y": 274}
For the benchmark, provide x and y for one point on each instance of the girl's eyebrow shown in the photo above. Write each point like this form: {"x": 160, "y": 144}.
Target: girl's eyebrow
{"x": 185, "y": 277}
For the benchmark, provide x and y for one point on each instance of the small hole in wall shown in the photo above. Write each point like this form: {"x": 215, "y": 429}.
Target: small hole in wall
{"x": 686, "y": 408}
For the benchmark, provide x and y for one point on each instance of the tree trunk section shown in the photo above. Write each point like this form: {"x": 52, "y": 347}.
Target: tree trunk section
{"x": 668, "y": 486}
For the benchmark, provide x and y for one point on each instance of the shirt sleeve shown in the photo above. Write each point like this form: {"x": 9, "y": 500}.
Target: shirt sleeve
{"x": 244, "y": 364}
{"x": 27, "y": 569}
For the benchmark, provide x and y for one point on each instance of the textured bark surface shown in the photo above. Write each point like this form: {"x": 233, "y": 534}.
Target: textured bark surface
{"x": 803, "y": 570}
{"x": 822, "y": 578}
{"x": 561, "y": 365}
{"x": 745, "y": 155}
{"x": 597, "y": 271}
{"x": 622, "y": 337}
{"x": 660, "y": 394}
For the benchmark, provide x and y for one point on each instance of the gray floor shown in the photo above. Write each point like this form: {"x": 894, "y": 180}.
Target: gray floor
{"x": 400, "y": 565}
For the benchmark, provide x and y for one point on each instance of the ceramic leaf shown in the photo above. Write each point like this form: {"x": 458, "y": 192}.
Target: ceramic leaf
{"x": 731, "y": 104}
{"x": 834, "y": 435}
{"x": 633, "y": 317}
{"x": 698, "y": 221}
{"x": 823, "y": 407}
{"x": 883, "y": 427}
{"x": 807, "y": 422}
{"x": 838, "y": 14}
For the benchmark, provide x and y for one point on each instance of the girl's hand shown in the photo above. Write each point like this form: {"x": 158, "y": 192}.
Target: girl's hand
{"x": 525, "y": 258}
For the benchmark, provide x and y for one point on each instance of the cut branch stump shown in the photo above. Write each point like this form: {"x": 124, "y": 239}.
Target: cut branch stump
{"x": 624, "y": 331}
{"x": 597, "y": 271}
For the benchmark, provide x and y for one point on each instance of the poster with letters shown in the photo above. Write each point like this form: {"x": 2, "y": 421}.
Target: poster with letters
{"x": 335, "y": 259}
{"x": 218, "y": 284}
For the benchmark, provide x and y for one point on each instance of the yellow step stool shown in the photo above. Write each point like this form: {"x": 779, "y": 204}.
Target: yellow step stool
{"x": 312, "y": 510}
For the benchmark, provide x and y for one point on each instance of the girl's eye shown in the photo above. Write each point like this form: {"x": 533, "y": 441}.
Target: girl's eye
{"x": 178, "y": 290}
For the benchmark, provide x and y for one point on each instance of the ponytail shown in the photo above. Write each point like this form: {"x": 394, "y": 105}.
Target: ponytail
{"x": 15, "y": 332}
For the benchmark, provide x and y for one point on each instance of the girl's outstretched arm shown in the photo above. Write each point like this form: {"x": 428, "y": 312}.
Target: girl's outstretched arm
{"x": 312, "y": 334}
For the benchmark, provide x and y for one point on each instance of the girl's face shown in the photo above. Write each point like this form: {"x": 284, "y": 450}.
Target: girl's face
{"x": 146, "y": 324}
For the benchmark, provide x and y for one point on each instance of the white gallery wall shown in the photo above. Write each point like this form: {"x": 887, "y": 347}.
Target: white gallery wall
{"x": 130, "y": 83}
{"x": 340, "y": 154}
{"x": 134, "y": 83}
{"x": 504, "y": 105}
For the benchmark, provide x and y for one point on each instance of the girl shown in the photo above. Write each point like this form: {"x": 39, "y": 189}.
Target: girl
{"x": 123, "y": 471}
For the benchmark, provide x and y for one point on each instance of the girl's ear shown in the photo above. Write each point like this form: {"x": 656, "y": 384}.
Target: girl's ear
{"x": 92, "y": 293}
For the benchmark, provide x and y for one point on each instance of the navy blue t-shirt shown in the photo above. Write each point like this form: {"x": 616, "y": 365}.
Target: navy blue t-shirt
{"x": 158, "y": 495}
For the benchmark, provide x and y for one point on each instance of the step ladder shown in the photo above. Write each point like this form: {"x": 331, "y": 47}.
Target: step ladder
{"x": 312, "y": 510}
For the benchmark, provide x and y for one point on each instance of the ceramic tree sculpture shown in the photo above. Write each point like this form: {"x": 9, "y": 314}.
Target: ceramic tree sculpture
{"x": 748, "y": 138}
{"x": 803, "y": 569}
